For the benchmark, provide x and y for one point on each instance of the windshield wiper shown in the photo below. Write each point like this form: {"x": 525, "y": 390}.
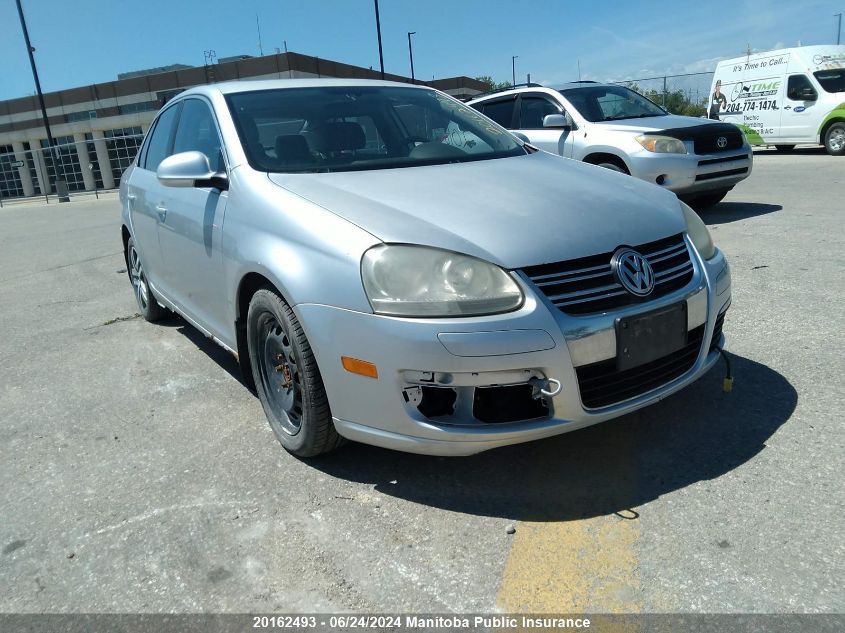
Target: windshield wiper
{"x": 630, "y": 116}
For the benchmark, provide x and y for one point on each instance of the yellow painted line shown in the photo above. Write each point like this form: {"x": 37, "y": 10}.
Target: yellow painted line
{"x": 584, "y": 566}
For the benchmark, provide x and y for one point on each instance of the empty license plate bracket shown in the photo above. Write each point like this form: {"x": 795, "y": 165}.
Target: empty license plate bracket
{"x": 642, "y": 338}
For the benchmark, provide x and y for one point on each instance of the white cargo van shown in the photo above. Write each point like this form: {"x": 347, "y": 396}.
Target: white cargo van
{"x": 784, "y": 97}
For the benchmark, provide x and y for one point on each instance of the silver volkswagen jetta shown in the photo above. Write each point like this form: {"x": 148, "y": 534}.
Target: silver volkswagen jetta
{"x": 392, "y": 267}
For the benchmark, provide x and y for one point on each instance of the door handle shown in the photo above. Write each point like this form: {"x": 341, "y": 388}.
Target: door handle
{"x": 131, "y": 196}
{"x": 162, "y": 212}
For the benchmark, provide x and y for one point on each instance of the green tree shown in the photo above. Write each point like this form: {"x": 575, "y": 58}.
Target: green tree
{"x": 494, "y": 85}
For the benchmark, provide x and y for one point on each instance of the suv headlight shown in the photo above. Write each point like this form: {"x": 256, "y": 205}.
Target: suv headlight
{"x": 419, "y": 281}
{"x": 661, "y": 144}
{"x": 698, "y": 232}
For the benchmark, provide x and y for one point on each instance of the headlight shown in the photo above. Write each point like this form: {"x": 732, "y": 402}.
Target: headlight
{"x": 661, "y": 144}
{"x": 418, "y": 281}
{"x": 698, "y": 233}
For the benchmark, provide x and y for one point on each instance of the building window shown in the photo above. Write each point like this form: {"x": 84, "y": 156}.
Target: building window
{"x": 81, "y": 116}
{"x": 166, "y": 95}
{"x": 144, "y": 106}
{"x": 69, "y": 159}
{"x": 10, "y": 178}
{"x": 123, "y": 144}
{"x": 30, "y": 163}
{"x": 92, "y": 156}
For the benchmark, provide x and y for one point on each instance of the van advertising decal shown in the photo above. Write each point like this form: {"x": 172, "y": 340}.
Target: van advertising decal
{"x": 747, "y": 102}
{"x": 837, "y": 113}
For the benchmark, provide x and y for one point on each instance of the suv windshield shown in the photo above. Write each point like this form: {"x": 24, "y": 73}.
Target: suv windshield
{"x": 610, "y": 103}
{"x": 831, "y": 80}
{"x": 361, "y": 127}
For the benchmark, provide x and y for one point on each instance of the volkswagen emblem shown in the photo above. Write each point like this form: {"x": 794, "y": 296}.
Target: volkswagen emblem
{"x": 633, "y": 271}
{"x": 722, "y": 142}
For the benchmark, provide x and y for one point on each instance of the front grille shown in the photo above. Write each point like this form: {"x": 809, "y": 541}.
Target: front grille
{"x": 588, "y": 285}
{"x": 707, "y": 142}
{"x": 722, "y": 160}
{"x": 601, "y": 384}
{"x": 721, "y": 174}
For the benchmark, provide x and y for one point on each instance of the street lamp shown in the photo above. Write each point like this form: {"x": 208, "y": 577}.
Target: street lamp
{"x": 411, "y": 53}
{"x": 838, "y": 28}
{"x": 378, "y": 31}
{"x": 513, "y": 68}
{"x": 61, "y": 185}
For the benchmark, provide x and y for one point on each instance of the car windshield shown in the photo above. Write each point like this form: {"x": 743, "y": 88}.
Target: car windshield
{"x": 831, "y": 80}
{"x": 324, "y": 129}
{"x": 610, "y": 103}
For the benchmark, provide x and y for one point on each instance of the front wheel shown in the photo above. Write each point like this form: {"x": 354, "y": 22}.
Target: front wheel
{"x": 834, "y": 139}
{"x": 287, "y": 378}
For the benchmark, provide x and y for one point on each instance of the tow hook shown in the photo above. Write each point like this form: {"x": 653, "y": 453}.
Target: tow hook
{"x": 544, "y": 387}
{"x": 727, "y": 381}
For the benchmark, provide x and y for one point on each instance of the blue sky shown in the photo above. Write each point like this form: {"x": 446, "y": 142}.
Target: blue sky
{"x": 80, "y": 42}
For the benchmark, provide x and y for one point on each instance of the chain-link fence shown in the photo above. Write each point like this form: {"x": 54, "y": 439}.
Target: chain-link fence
{"x": 72, "y": 167}
{"x": 686, "y": 94}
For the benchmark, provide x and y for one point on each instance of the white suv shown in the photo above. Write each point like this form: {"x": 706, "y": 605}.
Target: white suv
{"x": 614, "y": 127}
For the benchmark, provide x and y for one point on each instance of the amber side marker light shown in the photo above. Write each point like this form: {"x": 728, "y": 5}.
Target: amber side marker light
{"x": 360, "y": 367}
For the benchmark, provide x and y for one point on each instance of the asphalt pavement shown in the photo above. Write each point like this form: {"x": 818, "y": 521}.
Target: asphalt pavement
{"x": 137, "y": 474}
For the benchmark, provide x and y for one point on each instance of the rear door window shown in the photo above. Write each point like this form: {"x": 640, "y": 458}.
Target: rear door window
{"x": 501, "y": 111}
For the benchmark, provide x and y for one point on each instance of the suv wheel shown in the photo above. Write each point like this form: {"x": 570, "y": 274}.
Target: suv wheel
{"x": 613, "y": 166}
{"x": 287, "y": 378}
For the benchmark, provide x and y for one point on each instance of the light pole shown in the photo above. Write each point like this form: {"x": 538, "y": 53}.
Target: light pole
{"x": 378, "y": 31}
{"x": 61, "y": 185}
{"x": 513, "y": 68}
{"x": 838, "y": 28}
{"x": 411, "y": 53}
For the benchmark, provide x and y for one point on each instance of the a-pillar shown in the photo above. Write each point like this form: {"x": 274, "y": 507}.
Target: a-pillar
{"x": 26, "y": 177}
{"x": 40, "y": 166}
{"x": 103, "y": 159}
{"x": 84, "y": 161}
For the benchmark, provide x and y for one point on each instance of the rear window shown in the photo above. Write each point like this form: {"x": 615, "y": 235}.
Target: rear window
{"x": 831, "y": 80}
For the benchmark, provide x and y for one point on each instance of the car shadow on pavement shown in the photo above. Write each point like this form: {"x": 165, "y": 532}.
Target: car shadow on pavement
{"x": 696, "y": 435}
{"x": 726, "y": 212}
{"x": 205, "y": 345}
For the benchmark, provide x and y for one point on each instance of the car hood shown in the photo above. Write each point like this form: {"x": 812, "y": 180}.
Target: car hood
{"x": 514, "y": 212}
{"x": 653, "y": 124}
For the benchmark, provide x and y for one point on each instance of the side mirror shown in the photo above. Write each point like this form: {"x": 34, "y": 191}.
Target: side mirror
{"x": 189, "y": 169}
{"x": 808, "y": 94}
{"x": 557, "y": 121}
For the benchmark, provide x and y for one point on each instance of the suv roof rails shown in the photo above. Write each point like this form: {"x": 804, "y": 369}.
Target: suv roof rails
{"x": 584, "y": 81}
{"x": 492, "y": 92}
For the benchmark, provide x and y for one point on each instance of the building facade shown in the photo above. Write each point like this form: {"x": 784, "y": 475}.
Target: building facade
{"x": 99, "y": 128}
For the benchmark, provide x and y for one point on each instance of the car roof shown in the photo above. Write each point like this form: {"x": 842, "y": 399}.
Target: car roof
{"x": 533, "y": 88}
{"x": 231, "y": 87}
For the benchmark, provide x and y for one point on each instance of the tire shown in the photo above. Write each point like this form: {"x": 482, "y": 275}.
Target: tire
{"x": 784, "y": 148}
{"x": 709, "y": 200}
{"x": 147, "y": 303}
{"x": 613, "y": 167}
{"x": 287, "y": 378}
{"x": 834, "y": 139}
